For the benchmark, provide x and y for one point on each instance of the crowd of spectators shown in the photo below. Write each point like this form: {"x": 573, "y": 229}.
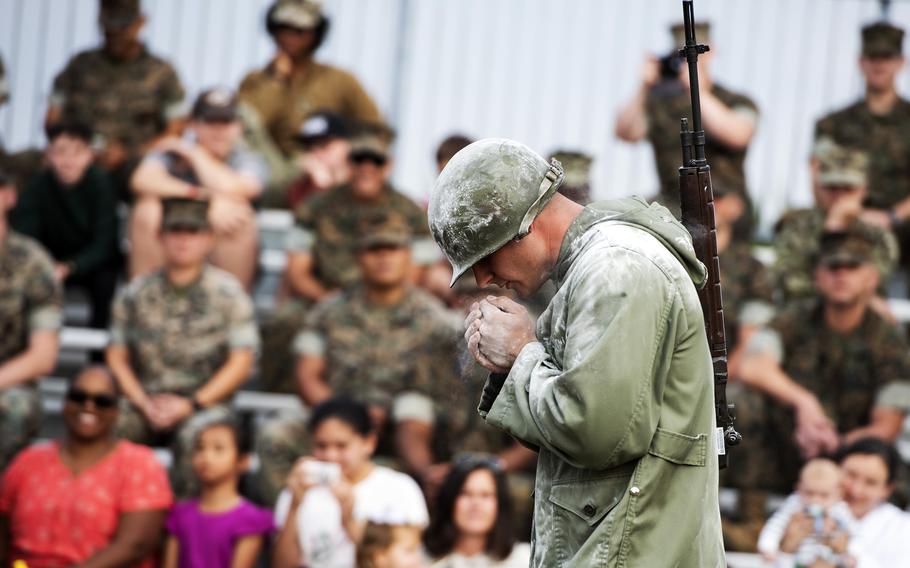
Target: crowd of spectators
{"x": 387, "y": 463}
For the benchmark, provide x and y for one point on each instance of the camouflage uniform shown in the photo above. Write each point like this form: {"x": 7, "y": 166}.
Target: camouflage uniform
{"x": 747, "y": 290}
{"x": 30, "y": 300}
{"x": 130, "y": 102}
{"x": 850, "y": 374}
{"x": 177, "y": 339}
{"x": 666, "y": 103}
{"x": 375, "y": 354}
{"x": 327, "y": 226}
{"x": 886, "y": 138}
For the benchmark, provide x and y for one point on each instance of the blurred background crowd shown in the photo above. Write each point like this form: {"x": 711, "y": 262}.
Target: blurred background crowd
{"x": 228, "y": 337}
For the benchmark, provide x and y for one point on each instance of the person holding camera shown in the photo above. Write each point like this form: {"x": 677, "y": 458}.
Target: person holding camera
{"x": 663, "y": 98}
{"x": 331, "y": 494}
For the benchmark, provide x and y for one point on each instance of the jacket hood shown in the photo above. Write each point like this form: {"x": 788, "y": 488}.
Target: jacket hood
{"x": 652, "y": 218}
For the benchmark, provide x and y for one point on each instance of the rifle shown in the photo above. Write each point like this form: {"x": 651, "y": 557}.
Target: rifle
{"x": 697, "y": 208}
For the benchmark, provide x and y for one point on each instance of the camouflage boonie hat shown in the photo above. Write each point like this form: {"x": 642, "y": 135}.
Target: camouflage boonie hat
{"x": 374, "y": 140}
{"x": 577, "y": 182}
{"x": 115, "y": 15}
{"x": 854, "y": 246}
{"x": 702, "y": 33}
{"x": 185, "y": 214}
{"x": 882, "y": 40}
{"x": 840, "y": 165}
{"x": 297, "y": 14}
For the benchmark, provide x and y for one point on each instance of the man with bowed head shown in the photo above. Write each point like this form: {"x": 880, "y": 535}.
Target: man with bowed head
{"x": 614, "y": 385}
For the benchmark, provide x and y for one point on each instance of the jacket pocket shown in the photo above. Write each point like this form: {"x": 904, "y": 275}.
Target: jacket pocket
{"x": 679, "y": 448}
{"x": 590, "y": 500}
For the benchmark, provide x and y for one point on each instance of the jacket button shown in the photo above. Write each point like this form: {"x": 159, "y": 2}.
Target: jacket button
{"x": 634, "y": 490}
{"x": 590, "y": 510}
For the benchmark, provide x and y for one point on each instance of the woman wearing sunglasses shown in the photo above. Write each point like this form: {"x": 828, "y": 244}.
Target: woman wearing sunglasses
{"x": 88, "y": 499}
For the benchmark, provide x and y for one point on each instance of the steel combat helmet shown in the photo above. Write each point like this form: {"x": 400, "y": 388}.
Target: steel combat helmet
{"x": 487, "y": 195}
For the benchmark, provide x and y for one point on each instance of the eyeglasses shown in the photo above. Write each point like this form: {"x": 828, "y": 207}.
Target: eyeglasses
{"x": 80, "y": 397}
{"x": 363, "y": 157}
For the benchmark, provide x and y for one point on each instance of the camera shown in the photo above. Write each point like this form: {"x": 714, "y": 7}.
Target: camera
{"x": 321, "y": 473}
{"x": 670, "y": 65}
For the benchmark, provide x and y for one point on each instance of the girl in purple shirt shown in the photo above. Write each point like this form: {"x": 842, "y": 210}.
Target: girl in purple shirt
{"x": 220, "y": 529}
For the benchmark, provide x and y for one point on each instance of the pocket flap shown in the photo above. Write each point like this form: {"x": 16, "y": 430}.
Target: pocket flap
{"x": 591, "y": 499}
{"x": 679, "y": 448}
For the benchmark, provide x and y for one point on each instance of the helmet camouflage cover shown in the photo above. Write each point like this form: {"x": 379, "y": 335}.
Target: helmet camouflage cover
{"x": 487, "y": 195}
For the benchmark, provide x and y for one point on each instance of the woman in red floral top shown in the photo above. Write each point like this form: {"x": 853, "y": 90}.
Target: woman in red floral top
{"x": 89, "y": 499}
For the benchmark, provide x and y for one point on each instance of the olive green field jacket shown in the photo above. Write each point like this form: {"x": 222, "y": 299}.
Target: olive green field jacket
{"x": 617, "y": 394}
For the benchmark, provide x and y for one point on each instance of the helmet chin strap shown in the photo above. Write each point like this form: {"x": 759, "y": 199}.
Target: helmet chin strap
{"x": 548, "y": 186}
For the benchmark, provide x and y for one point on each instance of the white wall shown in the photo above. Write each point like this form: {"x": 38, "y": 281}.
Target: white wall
{"x": 551, "y": 74}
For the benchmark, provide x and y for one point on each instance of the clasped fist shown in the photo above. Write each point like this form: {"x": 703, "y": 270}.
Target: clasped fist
{"x": 497, "y": 329}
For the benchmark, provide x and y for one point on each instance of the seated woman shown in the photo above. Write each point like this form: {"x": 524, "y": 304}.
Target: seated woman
{"x": 881, "y": 530}
{"x": 88, "y": 499}
{"x": 330, "y": 496}
{"x": 471, "y": 525}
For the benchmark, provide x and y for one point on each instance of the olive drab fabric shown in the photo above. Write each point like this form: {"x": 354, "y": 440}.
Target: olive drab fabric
{"x": 618, "y": 395}
{"x": 488, "y": 194}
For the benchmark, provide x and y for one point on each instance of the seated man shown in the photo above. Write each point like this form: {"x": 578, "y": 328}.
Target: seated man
{"x": 384, "y": 343}
{"x": 216, "y": 167}
{"x": 71, "y": 209}
{"x": 840, "y": 186}
{"x": 30, "y": 317}
{"x": 826, "y": 371}
{"x": 183, "y": 340}
{"x": 321, "y": 246}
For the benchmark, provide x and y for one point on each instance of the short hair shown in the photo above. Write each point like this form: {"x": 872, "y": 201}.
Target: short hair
{"x": 238, "y": 429}
{"x": 100, "y": 368}
{"x": 376, "y": 538}
{"x": 451, "y": 146}
{"x": 71, "y": 128}
{"x": 442, "y": 534}
{"x": 874, "y": 447}
{"x": 353, "y": 413}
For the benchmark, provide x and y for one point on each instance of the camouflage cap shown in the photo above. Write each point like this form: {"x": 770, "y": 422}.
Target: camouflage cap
{"x": 115, "y": 15}
{"x": 702, "y": 33}
{"x": 216, "y": 105}
{"x": 857, "y": 245}
{"x": 372, "y": 139}
{"x": 840, "y": 165}
{"x": 186, "y": 214}
{"x": 882, "y": 39}
{"x": 383, "y": 230}
{"x": 297, "y": 14}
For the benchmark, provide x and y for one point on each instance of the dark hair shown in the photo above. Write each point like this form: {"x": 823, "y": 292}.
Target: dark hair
{"x": 73, "y": 129}
{"x": 442, "y": 533}
{"x": 238, "y": 428}
{"x": 354, "y": 414}
{"x": 101, "y": 368}
{"x": 874, "y": 447}
{"x": 451, "y": 146}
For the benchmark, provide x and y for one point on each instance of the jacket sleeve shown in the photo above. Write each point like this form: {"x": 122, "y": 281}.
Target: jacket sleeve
{"x": 596, "y": 402}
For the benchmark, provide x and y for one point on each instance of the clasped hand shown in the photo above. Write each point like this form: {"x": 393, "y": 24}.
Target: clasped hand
{"x": 497, "y": 330}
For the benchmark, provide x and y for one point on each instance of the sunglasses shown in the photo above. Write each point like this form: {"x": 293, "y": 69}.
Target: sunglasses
{"x": 842, "y": 264}
{"x": 362, "y": 158}
{"x": 80, "y": 397}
